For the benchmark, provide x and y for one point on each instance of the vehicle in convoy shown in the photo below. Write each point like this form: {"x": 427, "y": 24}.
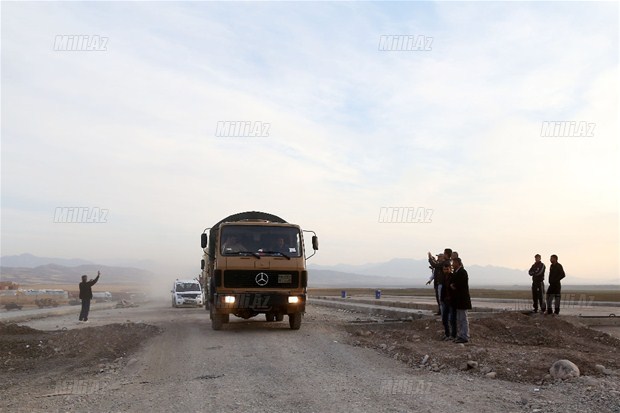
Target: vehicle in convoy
{"x": 255, "y": 263}
{"x": 187, "y": 293}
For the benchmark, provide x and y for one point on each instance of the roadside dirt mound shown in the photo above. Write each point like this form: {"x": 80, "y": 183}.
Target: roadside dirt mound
{"x": 517, "y": 347}
{"x": 23, "y": 349}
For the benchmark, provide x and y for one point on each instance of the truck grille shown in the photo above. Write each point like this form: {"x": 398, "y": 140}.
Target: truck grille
{"x": 261, "y": 279}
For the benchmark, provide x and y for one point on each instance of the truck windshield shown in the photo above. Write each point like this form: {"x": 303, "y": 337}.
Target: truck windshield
{"x": 188, "y": 287}
{"x": 259, "y": 239}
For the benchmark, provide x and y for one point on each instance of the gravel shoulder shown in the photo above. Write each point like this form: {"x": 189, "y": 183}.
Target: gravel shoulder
{"x": 156, "y": 358}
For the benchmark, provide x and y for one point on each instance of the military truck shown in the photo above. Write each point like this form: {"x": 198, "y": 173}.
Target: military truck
{"x": 255, "y": 263}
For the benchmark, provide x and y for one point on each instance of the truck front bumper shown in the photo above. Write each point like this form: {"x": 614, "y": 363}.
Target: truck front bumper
{"x": 276, "y": 303}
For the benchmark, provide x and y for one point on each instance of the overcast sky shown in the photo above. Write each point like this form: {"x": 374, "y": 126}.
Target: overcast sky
{"x": 453, "y": 127}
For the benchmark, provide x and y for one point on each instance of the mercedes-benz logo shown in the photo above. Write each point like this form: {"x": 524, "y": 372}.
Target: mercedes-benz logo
{"x": 261, "y": 279}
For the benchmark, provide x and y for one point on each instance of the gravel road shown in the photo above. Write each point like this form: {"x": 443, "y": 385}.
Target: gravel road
{"x": 255, "y": 366}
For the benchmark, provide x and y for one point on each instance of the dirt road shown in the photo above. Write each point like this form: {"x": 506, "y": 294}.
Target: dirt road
{"x": 255, "y": 366}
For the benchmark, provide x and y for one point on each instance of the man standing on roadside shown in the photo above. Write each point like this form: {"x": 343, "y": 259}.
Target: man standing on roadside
{"x": 537, "y": 272}
{"x": 556, "y": 273}
{"x": 459, "y": 284}
{"x": 86, "y": 294}
{"x": 437, "y": 277}
{"x": 448, "y": 311}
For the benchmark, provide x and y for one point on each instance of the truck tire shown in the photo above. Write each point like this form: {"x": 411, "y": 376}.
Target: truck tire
{"x": 279, "y": 317}
{"x": 217, "y": 321}
{"x": 294, "y": 321}
{"x": 270, "y": 317}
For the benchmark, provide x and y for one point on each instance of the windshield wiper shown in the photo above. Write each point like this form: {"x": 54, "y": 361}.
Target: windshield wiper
{"x": 277, "y": 252}
{"x": 244, "y": 252}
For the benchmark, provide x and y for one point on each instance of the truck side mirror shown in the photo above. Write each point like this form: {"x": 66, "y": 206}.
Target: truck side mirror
{"x": 203, "y": 240}
{"x": 315, "y": 242}
{"x": 202, "y": 264}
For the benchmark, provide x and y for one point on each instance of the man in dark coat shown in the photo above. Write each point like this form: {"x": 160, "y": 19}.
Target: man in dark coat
{"x": 537, "y": 272}
{"x": 459, "y": 284}
{"x": 86, "y": 294}
{"x": 448, "y": 311}
{"x": 556, "y": 274}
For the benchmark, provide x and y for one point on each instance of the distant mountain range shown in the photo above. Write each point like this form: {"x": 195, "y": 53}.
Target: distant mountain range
{"x": 29, "y": 269}
{"x": 408, "y": 272}
{"x": 31, "y": 261}
{"x": 398, "y": 272}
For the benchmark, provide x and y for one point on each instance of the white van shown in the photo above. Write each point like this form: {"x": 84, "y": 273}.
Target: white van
{"x": 187, "y": 293}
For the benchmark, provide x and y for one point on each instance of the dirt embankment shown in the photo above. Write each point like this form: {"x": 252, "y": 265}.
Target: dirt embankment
{"x": 517, "y": 347}
{"x": 86, "y": 350}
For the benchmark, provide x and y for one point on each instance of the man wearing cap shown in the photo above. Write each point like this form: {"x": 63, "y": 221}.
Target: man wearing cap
{"x": 537, "y": 272}
{"x": 86, "y": 294}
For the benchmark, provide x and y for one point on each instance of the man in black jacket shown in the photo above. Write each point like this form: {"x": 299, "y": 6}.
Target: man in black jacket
{"x": 86, "y": 294}
{"x": 459, "y": 283}
{"x": 537, "y": 272}
{"x": 556, "y": 274}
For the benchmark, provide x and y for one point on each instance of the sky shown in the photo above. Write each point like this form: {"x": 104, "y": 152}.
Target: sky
{"x": 348, "y": 128}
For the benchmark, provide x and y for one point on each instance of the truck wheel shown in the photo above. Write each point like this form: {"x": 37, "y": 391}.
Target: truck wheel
{"x": 279, "y": 317}
{"x": 270, "y": 317}
{"x": 294, "y": 321}
{"x": 217, "y": 321}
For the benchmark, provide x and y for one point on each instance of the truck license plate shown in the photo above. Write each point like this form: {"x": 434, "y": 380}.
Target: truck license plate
{"x": 285, "y": 278}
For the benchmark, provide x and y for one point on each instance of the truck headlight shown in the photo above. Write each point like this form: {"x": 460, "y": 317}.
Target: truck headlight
{"x": 293, "y": 300}
{"x": 229, "y": 299}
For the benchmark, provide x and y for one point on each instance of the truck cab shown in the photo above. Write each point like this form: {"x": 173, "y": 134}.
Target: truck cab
{"x": 255, "y": 263}
{"x": 187, "y": 293}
